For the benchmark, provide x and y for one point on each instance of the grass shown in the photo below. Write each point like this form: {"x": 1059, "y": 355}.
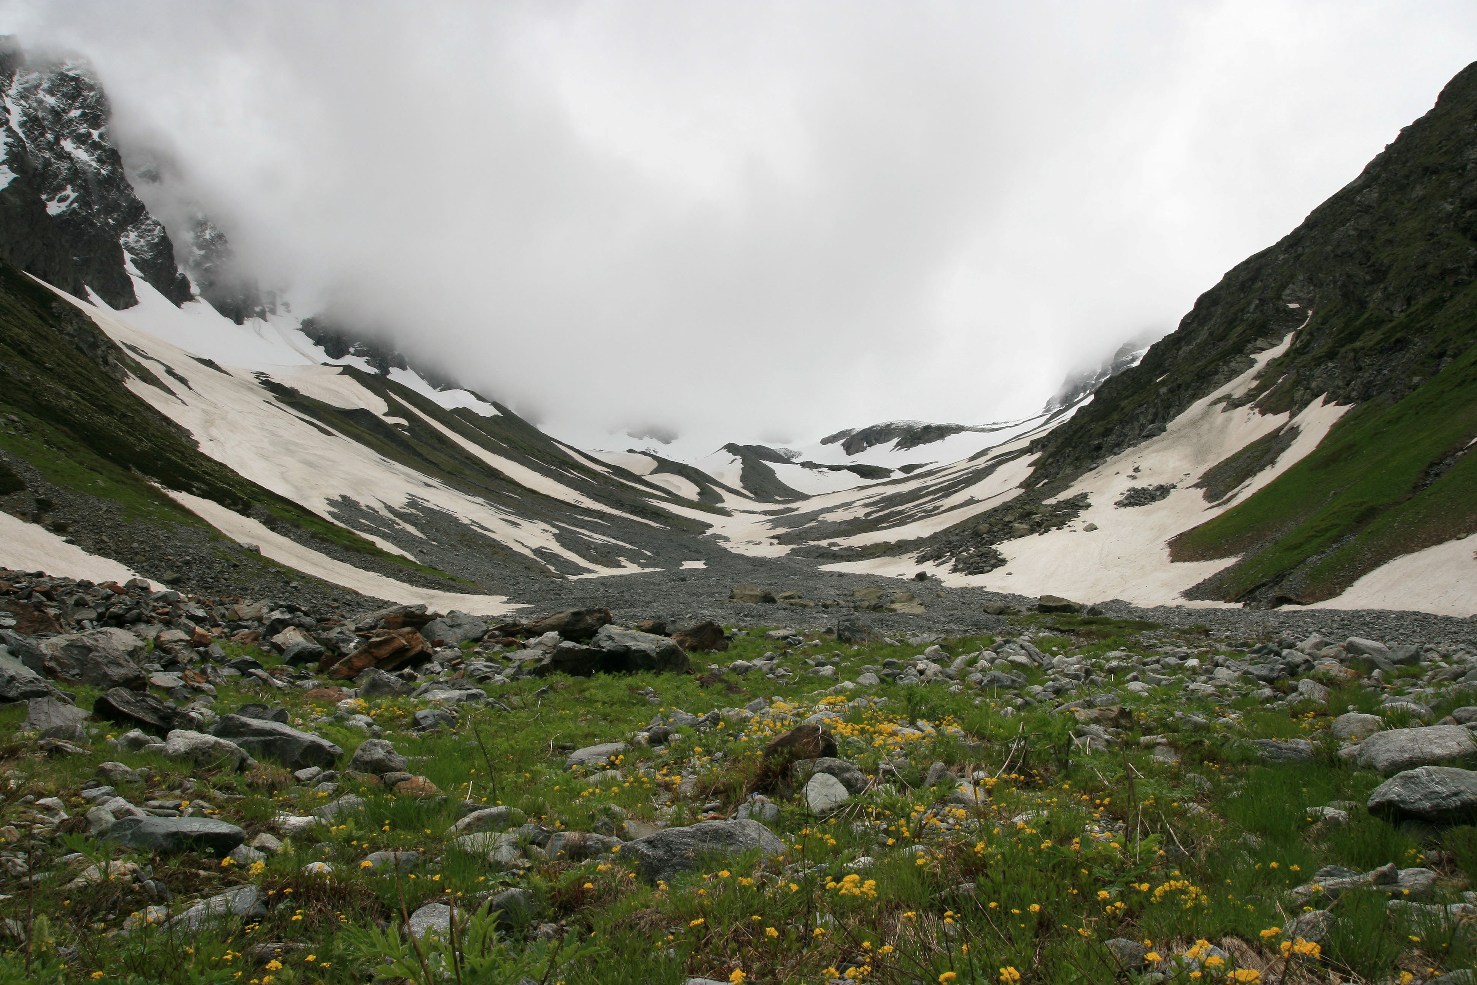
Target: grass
{"x": 1065, "y": 849}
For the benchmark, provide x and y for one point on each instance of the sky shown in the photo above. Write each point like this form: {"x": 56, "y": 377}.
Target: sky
{"x": 761, "y": 220}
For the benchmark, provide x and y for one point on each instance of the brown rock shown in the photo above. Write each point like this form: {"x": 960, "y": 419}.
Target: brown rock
{"x": 201, "y": 638}
{"x": 331, "y": 694}
{"x": 656, "y": 627}
{"x": 417, "y": 786}
{"x": 31, "y": 620}
{"x": 704, "y": 637}
{"x": 388, "y": 649}
{"x": 808, "y": 741}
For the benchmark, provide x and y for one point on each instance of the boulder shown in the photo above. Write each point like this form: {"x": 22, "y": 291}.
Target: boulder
{"x": 454, "y": 628}
{"x": 138, "y": 709}
{"x": 632, "y": 650}
{"x": 1356, "y": 725}
{"x": 1055, "y": 603}
{"x": 434, "y": 920}
{"x": 597, "y": 755}
{"x": 572, "y": 624}
{"x": 668, "y": 853}
{"x": 280, "y": 743}
{"x": 853, "y": 629}
{"x": 1289, "y": 751}
{"x": 205, "y": 750}
{"x": 172, "y": 835}
{"x": 824, "y": 793}
{"x": 1406, "y": 748}
{"x": 53, "y": 719}
{"x": 850, "y": 774}
{"x": 19, "y": 682}
{"x": 375, "y": 683}
{"x": 100, "y": 658}
{"x": 241, "y": 903}
{"x": 388, "y": 649}
{"x": 1439, "y": 794}
{"x": 705, "y": 637}
{"x": 378, "y": 757}
{"x": 751, "y": 595}
{"x": 298, "y": 648}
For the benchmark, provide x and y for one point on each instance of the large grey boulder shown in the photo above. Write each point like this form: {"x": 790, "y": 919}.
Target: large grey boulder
{"x": 850, "y": 774}
{"x": 101, "y": 658}
{"x": 1406, "y": 748}
{"x": 633, "y": 650}
{"x": 453, "y": 628}
{"x": 53, "y": 719}
{"x": 205, "y": 750}
{"x": 377, "y": 756}
{"x": 1356, "y": 725}
{"x": 19, "y": 682}
{"x": 297, "y": 647}
{"x": 171, "y": 835}
{"x": 1440, "y": 794}
{"x": 280, "y": 743}
{"x": 667, "y": 853}
{"x": 824, "y": 793}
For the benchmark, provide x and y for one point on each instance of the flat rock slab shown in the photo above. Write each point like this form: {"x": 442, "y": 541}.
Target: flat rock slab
{"x": 1440, "y": 794}
{"x": 675, "y": 850}
{"x": 172, "y": 835}
{"x": 1407, "y": 748}
{"x": 137, "y": 709}
{"x": 595, "y": 755}
{"x": 280, "y": 743}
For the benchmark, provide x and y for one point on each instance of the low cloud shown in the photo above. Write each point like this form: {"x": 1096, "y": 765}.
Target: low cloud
{"x": 762, "y": 218}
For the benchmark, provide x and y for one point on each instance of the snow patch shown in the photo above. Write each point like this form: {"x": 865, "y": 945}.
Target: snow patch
{"x": 28, "y": 547}
{"x": 1440, "y": 579}
{"x": 310, "y": 562}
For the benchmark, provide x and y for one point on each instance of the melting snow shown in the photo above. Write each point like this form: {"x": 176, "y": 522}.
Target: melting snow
{"x": 28, "y": 547}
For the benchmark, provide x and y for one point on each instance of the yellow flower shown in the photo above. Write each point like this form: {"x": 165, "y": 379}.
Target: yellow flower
{"x": 696, "y": 923}
{"x": 1009, "y": 976}
{"x": 737, "y": 976}
{"x": 274, "y": 965}
{"x": 771, "y": 933}
{"x": 1246, "y": 976}
{"x": 947, "y": 977}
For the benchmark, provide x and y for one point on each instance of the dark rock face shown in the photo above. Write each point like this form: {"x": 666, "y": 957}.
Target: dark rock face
{"x": 135, "y": 709}
{"x": 706, "y": 637}
{"x": 631, "y": 650}
{"x": 172, "y": 835}
{"x": 280, "y": 743}
{"x": 68, "y": 213}
{"x": 1144, "y": 495}
{"x": 573, "y": 624}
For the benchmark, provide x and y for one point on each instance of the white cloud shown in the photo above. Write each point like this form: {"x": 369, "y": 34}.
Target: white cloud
{"x": 763, "y": 217}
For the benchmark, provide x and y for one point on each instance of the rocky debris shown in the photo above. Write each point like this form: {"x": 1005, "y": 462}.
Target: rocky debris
{"x": 1331, "y": 882}
{"x": 1144, "y": 495}
{"x": 280, "y": 743}
{"x": 705, "y": 637}
{"x": 172, "y": 835}
{"x": 667, "y": 853}
{"x": 1402, "y": 749}
{"x": 1439, "y": 794}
